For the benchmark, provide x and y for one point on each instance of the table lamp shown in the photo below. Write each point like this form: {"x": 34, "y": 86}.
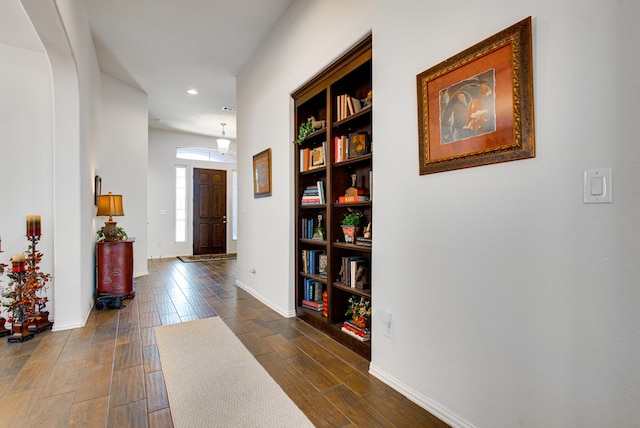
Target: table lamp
{"x": 110, "y": 205}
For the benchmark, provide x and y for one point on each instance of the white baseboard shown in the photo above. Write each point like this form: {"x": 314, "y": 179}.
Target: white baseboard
{"x": 421, "y": 400}
{"x": 72, "y": 324}
{"x": 282, "y": 311}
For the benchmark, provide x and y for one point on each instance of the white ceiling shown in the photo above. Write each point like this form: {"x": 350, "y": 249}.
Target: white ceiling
{"x": 164, "y": 47}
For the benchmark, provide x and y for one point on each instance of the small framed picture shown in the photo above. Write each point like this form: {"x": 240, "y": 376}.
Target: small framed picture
{"x": 357, "y": 144}
{"x": 262, "y": 174}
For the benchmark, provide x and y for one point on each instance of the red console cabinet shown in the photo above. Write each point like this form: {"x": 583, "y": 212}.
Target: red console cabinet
{"x": 114, "y": 268}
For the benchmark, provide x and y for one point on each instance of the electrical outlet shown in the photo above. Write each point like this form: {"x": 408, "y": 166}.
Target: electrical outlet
{"x": 389, "y": 329}
{"x": 387, "y": 322}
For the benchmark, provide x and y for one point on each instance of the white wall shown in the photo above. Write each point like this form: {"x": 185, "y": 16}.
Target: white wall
{"x": 123, "y": 160}
{"x": 514, "y": 304}
{"x": 26, "y": 149}
{"x": 63, "y": 29}
{"x": 162, "y": 195}
{"x": 296, "y": 50}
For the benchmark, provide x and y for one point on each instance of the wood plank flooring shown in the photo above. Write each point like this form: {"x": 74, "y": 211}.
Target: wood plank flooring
{"x": 108, "y": 373}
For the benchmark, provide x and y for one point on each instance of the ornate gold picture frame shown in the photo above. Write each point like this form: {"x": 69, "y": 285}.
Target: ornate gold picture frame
{"x": 262, "y": 174}
{"x": 476, "y": 108}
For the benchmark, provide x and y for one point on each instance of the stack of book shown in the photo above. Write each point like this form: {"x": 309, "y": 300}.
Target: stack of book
{"x": 314, "y": 194}
{"x": 362, "y": 334}
{"x": 367, "y": 242}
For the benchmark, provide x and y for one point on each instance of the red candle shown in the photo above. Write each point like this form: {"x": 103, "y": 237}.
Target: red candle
{"x": 33, "y": 225}
{"x": 17, "y": 263}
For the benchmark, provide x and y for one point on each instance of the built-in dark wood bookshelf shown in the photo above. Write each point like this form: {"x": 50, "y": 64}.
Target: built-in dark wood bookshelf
{"x": 341, "y": 96}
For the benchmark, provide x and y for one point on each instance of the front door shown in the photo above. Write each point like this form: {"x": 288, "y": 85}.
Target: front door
{"x": 209, "y": 211}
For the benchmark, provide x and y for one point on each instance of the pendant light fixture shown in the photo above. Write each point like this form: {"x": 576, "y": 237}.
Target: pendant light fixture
{"x": 223, "y": 143}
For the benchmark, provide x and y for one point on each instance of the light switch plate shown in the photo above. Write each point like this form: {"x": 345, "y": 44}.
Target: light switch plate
{"x": 597, "y": 186}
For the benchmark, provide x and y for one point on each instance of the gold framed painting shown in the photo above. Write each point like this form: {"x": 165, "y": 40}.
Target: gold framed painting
{"x": 262, "y": 174}
{"x": 476, "y": 108}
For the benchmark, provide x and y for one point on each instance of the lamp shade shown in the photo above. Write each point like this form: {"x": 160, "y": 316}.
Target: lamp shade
{"x": 110, "y": 205}
{"x": 223, "y": 145}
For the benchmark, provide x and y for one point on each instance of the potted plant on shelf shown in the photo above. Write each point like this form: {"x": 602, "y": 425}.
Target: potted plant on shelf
{"x": 121, "y": 234}
{"x": 351, "y": 225}
{"x": 305, "y": 129}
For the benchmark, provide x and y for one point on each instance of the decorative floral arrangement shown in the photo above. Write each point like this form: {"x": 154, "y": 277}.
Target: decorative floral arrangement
{"x": 360, "y": 311}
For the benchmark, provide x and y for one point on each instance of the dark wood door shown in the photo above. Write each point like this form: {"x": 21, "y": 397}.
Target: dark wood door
{"x": 209, "y": 211}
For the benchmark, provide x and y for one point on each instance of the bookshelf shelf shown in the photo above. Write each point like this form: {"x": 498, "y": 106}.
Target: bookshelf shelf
{"x": 319, "y": 242}
{"x": 341, "y": 96}
{"x": 356, "y": 291}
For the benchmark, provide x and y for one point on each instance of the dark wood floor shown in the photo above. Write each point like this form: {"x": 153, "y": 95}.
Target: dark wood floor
{"x": 108, "y": 373}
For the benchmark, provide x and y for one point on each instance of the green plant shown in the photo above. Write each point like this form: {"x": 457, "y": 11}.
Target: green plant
{"x": 352, "y": 218}
{"x": 305, "y": 129}
{"x": 121, "y": 234}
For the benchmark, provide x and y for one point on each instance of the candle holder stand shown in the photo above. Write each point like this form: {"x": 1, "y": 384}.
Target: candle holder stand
{"x": 37, "y": 321}
{"x": 24, "y": 301}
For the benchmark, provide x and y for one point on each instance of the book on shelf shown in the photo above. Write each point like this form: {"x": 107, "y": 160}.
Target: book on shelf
{"x": 366, "y": 242}
{"x": 312, "y": 290}
{"x": 322, "y": 264}
{"x": 346, "y": 106}
{"x": 312, "y": 195}
{"x": 349, "y": 263}
{"x": 350, "y": 325}
{"x": 318, "y": 156}
{"x": 321, "y": 191}
{"x": 362, "y": 338}
{"x": 359, "y": 274}
{"x": 340, "y": 148}
{"x": 351, "y": 146}
{"x": 311, "y": 261}
{"x": 310, "y": 304}
{"x": 353, "y": 198}
{"x": 312, "y": 158}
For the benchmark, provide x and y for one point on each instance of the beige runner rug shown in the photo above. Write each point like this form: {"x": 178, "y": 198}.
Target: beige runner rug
{"x": 213, "y": 380}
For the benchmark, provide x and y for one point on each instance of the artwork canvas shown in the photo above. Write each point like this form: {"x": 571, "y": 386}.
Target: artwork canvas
{"x": 476, "y": 108}
{"x": 262, "y": 174}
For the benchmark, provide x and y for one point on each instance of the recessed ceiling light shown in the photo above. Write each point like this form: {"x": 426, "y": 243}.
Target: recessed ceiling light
{"x": 192, "y": 91}
{"x": 226, "y": 108}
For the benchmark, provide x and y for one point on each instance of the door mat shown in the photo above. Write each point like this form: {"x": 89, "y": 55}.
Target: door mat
{"x": 208, "y": 257}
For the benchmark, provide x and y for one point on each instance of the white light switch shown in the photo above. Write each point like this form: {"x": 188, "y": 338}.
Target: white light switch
{"x": 597, "y": 186}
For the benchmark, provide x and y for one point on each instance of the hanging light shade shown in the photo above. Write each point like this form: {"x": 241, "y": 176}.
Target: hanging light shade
{"x": 223, "y": 143}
